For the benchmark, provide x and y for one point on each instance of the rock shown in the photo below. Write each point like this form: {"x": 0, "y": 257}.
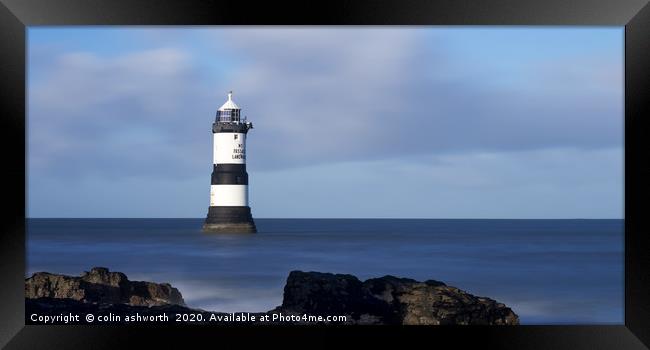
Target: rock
{"x": 389, "y": 300}
{"x": 384, "y": 300}
{"x": 101, "y": 286}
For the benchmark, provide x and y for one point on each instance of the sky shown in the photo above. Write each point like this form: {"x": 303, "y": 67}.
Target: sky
{"x": 349, "y": 122}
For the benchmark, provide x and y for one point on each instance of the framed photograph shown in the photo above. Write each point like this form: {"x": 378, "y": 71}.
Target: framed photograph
{"x": 472, "y": 174}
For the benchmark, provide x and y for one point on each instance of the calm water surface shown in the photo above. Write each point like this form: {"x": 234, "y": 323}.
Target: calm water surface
{"x": 548, "y": 271}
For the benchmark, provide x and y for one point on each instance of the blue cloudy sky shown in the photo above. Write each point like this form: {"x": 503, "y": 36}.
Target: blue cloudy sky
{"x": 423, "y": 122}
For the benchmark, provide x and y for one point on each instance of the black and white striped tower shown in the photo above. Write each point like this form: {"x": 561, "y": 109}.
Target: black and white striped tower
{"x": 229, "y": 210}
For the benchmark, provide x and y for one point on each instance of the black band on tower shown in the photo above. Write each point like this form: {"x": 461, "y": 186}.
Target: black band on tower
{"x": 217, "y": 215}
{"x": 230, "y": 168}
{"x": 229, "y": 174}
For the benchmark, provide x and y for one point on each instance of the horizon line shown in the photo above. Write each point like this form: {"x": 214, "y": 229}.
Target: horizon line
{"x": 331, "y": 218}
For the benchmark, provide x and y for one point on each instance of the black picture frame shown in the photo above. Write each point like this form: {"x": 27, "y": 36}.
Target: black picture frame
{"x": 16, "y": 15}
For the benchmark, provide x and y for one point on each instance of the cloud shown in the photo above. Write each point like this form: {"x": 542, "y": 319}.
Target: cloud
{"x": 323, "y": 95}
{"x": 315, "y": 96}
{"x": 550, "y": 183}
{"x": 122, "y": 116}
{"x": 335, "y": 99}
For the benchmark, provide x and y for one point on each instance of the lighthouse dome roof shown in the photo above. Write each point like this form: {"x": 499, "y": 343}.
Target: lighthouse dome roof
{"x": 230, "y": 104}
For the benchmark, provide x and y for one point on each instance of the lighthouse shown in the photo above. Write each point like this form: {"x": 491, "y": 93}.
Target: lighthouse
{"x": 229, "y": 210}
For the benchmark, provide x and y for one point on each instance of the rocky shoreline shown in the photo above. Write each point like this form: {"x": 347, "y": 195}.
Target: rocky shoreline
{"x": 111, "y": 296}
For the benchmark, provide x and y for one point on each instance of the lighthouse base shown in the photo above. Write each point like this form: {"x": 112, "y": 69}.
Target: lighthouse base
{"x": 229, "y": 228}
{"x": 229, "y": 220}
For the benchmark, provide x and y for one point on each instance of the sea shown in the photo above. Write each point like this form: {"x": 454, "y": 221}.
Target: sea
{"x": 547, "y": 271}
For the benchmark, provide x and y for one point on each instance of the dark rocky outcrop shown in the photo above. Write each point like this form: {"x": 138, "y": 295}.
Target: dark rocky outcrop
{"x": 384, "y": 300}
{"x": 101, "y": 286}
{"x": 389, "y": 300}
